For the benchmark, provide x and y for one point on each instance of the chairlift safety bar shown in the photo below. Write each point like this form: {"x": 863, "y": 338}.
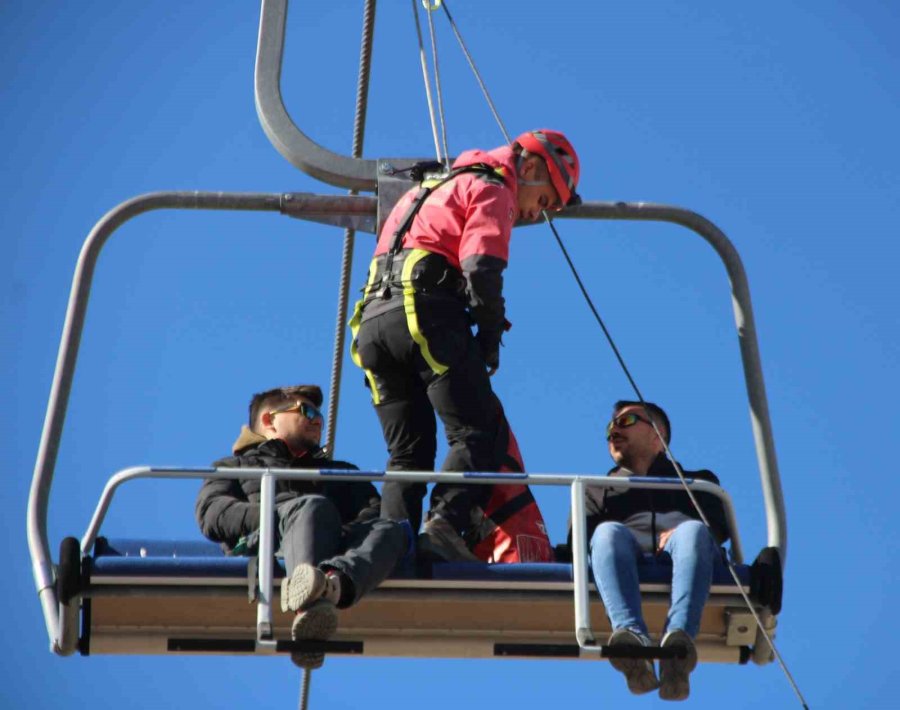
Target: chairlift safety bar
{"x": 268, "y": 476}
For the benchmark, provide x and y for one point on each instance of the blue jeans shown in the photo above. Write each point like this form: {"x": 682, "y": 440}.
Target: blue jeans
{"x": 614, "y": 561}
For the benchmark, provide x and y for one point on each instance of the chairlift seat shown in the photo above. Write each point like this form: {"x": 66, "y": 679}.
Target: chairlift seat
{"x": 140, "y": 595}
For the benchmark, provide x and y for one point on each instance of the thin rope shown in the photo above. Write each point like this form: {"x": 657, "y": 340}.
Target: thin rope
{"x": 359, "y": 130}
{"x": 437, "y": 86}
{"x": 424, "y": 62}
{"x": 305, "y": 681}
{"x": 590, "y": 303}
{"x": 475, "y": 71}
{"x": 675, "y": 463}
{"x": 731, "y": 569}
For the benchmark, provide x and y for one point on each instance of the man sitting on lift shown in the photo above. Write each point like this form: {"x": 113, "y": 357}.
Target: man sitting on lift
{"x": 437, "y": 269}
{"x": 629, "y": 524}
{"x": 336, "y": 548}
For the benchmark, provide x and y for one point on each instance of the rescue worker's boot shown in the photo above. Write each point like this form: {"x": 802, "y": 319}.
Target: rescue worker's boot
{"x": 439, "y": 542}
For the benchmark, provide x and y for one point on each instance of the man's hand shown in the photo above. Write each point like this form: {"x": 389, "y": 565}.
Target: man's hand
{"x": 663, "y": 539}
{"x": 489, "y": 343}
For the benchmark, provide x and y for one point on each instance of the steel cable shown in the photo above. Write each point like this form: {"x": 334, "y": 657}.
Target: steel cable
{"x": 437, "y": 85}
{"x": 359, "y": 129}
{"x": 424, "y": 62}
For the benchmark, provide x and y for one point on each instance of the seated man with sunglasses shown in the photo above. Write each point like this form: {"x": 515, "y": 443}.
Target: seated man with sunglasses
{"x": 625, "y": 525}
{"x": 336, "y": 548}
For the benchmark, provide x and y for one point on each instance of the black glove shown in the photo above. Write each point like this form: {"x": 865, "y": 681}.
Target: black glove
{"x": 489, "y": 342}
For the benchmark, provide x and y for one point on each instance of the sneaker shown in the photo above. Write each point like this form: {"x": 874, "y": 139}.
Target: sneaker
{"x": 639, "y": 672}
{"x": 440, "y": 542}
{"x": 305, "y": 585}
{"x": 674, "y": 673}
{"x": 317, "y": 623}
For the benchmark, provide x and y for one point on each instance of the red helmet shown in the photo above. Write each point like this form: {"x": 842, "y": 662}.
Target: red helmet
{"x": 561, "y": 160}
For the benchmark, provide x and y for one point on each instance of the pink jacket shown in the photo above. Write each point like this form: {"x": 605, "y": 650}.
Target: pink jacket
{"x": 468, "y": 221}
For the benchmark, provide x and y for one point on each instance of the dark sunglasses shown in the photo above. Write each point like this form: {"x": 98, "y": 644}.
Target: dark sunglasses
{"x": 307, "y": 410}
{"x": 623, "y": 421}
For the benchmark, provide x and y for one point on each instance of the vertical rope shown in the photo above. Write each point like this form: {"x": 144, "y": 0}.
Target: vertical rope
{"x": 437, "y": 87}
{"x": 424, "y": 63}
{"x": 359, "y": 128}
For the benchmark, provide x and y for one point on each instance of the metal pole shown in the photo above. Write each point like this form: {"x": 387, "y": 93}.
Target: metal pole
{"x": 583, "y": 632}
{"x": 266, "y": 557}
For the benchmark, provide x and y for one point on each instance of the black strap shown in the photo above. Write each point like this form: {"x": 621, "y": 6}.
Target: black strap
{"x": 414, "y": 207}
{"x": 511, "y": 507}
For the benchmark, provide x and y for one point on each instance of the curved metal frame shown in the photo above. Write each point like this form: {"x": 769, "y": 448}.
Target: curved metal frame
{"x": 358, "y": 213}
{"x": 290, "y": 141}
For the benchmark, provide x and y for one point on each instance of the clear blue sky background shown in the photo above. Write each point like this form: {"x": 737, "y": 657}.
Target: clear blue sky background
{"x": 777, "y": 120}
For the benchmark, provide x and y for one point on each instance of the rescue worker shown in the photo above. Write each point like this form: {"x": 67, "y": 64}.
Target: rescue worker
{"x": 437, "y": 270}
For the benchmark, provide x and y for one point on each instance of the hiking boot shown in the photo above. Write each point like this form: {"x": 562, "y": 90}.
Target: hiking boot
{"x": 305, "y": 585}
{"x": 674, "y": 673}
{"x": 439, "y": 542}
{"x": 639, "y": 672}
{"x": 316, "y": 623}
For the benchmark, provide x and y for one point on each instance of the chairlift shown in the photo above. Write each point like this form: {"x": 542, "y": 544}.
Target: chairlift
{"x": 146, "y": 596}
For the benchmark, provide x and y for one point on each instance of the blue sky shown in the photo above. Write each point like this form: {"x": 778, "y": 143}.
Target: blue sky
{"x": 776, "y": 120}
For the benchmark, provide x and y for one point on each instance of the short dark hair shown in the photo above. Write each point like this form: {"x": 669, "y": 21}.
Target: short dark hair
{"x": 279, "y": 396}
{"x": 657, "y": 414}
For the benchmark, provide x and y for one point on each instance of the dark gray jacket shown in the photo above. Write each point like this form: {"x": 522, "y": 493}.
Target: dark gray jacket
{"x": 228, "y": 509}
{"x": 602, "y": 504}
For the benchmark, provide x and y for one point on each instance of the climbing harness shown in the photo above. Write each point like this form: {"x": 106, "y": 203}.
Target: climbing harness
{"x": 429, "y": 182}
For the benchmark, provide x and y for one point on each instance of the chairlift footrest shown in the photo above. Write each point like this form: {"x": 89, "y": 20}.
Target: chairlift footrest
{"x": 189, "y": 645}
{"x": 649, "y": 653}
{"x": 537, "y": 650}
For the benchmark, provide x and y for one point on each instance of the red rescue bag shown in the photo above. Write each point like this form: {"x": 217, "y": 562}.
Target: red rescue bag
{"x": 512, "y": 529}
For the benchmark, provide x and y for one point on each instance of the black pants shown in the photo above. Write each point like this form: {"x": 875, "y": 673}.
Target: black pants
{"x": 418, "y": 364}
{"x": 311, "y": 532}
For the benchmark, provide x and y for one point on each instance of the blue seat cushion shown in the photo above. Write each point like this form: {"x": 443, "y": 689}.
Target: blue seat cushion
{"x": 199, "y": 559}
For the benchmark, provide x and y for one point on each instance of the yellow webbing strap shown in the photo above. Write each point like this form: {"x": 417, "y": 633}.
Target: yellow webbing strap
{"x": 355, "y": 320}
{"x": 409, "y": 305}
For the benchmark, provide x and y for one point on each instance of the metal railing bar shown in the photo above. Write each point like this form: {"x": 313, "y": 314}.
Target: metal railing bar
{"x": 292, "y": 474}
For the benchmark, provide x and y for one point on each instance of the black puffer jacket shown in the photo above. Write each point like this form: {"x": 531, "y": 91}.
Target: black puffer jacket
{"x": 602, "y": 504}
{"x": 228, "y": 509}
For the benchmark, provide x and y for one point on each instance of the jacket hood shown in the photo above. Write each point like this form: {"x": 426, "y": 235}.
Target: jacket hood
{"x": 246, "y": 439}
{"x": 502, "y": 158}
